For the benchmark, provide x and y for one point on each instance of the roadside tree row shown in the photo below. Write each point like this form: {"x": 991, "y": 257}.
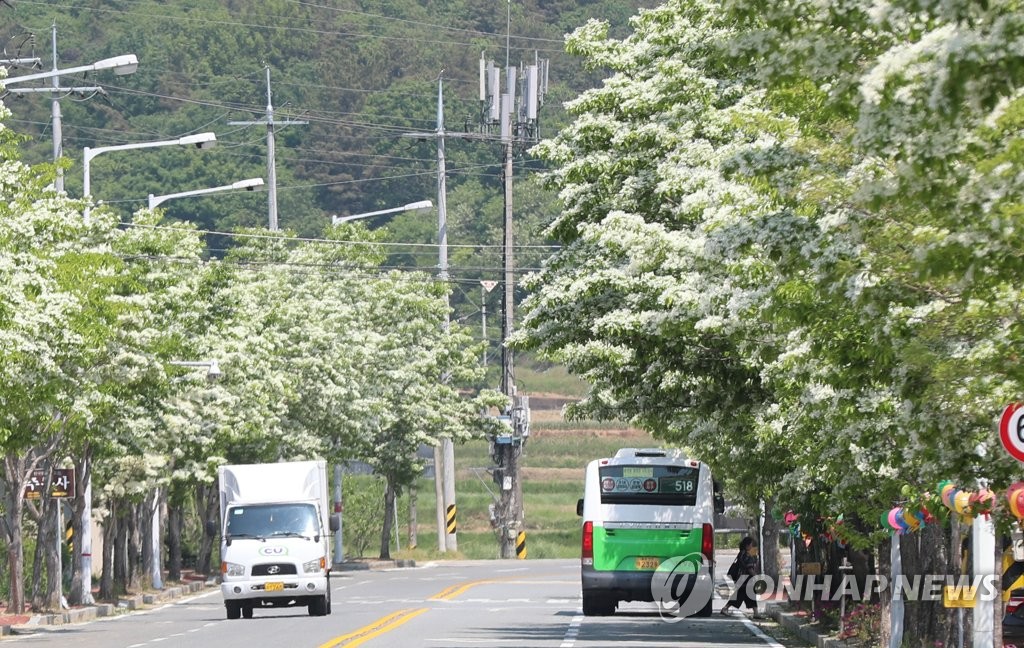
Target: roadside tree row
{"x": 792, "y": 242}
{"x": 323, "y": 354}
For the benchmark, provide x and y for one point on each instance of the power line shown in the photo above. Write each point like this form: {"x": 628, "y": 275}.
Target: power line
{"x": 299, "y": 239}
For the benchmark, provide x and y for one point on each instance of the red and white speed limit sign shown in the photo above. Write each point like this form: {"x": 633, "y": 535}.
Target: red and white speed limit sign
{"x": 1011, "y": 430}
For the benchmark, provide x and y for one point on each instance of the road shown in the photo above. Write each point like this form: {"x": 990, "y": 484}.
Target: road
{"x": 534, "y": 603}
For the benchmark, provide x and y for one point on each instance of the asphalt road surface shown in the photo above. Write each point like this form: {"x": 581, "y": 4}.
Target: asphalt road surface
{"x": 533, "y": 603}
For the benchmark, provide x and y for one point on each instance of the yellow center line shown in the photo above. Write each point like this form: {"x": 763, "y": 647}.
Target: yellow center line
{"x": 449, "y": 593}
{"x": 395, "y": 619}
{"x": 378, "y": 627}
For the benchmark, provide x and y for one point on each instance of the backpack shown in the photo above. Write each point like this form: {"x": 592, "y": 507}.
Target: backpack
{"x": 734, "y": 569}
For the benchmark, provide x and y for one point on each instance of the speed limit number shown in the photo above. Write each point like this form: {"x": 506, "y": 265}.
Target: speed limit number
{"x": 1011, "y": 430}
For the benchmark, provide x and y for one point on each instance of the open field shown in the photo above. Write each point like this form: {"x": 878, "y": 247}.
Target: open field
{"x": 553, "y": 463}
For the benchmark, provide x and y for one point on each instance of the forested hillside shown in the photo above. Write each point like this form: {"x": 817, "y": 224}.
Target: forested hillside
{"x": 360, "y": 73}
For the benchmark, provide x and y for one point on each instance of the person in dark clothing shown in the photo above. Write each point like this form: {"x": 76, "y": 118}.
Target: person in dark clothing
{"x": 741, "y": 571}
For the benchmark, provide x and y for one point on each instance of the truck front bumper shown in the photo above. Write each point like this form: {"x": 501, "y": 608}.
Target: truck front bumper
{"x": 280, "y": 591}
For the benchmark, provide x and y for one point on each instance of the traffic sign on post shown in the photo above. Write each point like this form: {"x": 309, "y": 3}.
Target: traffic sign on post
{"x": 1011, "y": 430}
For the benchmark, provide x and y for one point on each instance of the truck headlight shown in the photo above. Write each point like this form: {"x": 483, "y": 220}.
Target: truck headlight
{"x": 232, "y": 569}
{"x": 314, "y": 565}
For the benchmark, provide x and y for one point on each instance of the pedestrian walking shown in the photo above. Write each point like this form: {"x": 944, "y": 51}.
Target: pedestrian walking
{"x": 742, "y": 569}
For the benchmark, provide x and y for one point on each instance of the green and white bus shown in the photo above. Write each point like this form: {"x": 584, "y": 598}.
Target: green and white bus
{"x": 643, "y": 509}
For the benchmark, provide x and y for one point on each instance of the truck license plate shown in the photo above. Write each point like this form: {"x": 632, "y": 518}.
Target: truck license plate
{"x": 273, "y": 587}
{"x": 646, "y": 562}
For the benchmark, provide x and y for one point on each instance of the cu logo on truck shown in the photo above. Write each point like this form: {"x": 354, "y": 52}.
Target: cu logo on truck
{"x": 273, "y": 551}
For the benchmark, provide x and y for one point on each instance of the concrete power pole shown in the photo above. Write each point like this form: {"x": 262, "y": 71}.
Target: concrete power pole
{"x": 271, "y": 162}
{"x": 444, "y": 455}
{"x": 518, "y": 123}
{"x": 55, "y": 91}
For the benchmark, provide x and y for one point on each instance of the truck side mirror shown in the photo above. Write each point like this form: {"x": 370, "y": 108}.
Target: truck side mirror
{"x": 579, "y": 507}
{"x": 334, "y": 522}
{"x": 212, "y": 528}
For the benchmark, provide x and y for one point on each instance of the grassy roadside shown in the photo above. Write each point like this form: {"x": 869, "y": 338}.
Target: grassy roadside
{"x": 553, "y": 463}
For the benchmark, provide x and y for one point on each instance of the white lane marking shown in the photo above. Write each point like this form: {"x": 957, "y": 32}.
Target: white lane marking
{"x": 513, "y": 569}
{"x": 136, "y": 645}
{"x": 572, "y": 632}
{"x": 757, "y": 632}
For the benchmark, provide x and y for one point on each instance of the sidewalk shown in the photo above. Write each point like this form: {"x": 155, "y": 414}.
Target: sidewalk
{"x": 27, "y": 623}
{"x": 801, "y": 626}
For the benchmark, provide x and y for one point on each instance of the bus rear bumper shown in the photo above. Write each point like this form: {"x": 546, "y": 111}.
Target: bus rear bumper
{"x": 623, "y": 585}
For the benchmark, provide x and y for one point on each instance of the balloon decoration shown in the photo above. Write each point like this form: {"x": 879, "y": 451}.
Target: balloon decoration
{"x": 968, "y": 504}
{"x": 1015, "y": 495}
{"x": 792, "y": 520}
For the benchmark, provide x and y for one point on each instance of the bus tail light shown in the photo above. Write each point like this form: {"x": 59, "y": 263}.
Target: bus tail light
{"x": 588, "y": 543}
{"x": 707, "y": 543}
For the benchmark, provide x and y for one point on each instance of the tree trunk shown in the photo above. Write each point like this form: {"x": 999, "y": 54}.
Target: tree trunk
{"x": 77, "y": 594}
{"x": 770, "y": 543}
{"x": 209, "y": 510}
{"x": 110, "y": 533}
{"x": 14, "y": 468}
{"x": 52, "y": 552}
{"x": 37, "y": 601}
{"x": 175, "y": 524}
{"x": 389, "y": 514}
{"x": 885, "y": 598}
{"x": 121, "y": 549}
{"x": 147, "y": 509}
{"x": 997, "y": 612}
{"x": 134, "y": 538}
{"x": 413, "y": 521}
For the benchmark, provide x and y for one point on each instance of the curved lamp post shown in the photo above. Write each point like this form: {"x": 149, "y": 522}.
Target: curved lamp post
{"x": 199, "y": 140}
{"x": 120, "y": 65}
{"x": 250, "y": 184}
{"x": 415, "y": 206}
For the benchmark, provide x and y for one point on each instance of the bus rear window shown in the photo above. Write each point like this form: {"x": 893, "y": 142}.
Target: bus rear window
{"x": 671, "y": 485}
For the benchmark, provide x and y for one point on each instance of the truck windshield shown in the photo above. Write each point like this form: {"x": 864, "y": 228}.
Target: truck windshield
{"x": 265, "y": 520}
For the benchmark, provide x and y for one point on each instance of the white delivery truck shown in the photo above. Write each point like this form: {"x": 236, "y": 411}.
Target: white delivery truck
{"x": 275, "y": 537}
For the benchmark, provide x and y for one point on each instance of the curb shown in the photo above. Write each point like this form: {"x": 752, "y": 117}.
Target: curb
{"x": 93, "y": 612}
{"x": 800, "y": 628}
{"x": 375, "y": 565}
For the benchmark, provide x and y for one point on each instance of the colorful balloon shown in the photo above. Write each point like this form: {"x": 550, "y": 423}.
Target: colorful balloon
{"x": 1017, "y": 501}
{"x": 894, "y": 519}
{"x": 962, "y": 502}
{"x": 910, "y": 519}
{"x": 948, "y": 495}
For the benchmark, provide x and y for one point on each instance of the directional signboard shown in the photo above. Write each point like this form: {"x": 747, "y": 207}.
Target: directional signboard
{"x": 1011, "y": 430}
{"x": 62, "y": 484}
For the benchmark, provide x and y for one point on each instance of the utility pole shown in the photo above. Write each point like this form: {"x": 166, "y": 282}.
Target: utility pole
{"x": 55, "y": 91}
{"x": 444, "y": 456}
{"x": 271, "y": 163}
{"x": 517, "y": 121}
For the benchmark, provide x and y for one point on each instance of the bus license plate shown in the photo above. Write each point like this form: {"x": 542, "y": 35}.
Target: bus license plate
{"x": 273, "y": 587}
{"x": 645, "y": 562}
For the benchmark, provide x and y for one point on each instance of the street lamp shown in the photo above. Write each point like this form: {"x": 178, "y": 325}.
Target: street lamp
{"x": 120, "y": 65}
{"x": 199, "y": 140}
{"x": 250, "y": 184}
{"x": 415, "y": 206}
{"x": 213, "y": 371}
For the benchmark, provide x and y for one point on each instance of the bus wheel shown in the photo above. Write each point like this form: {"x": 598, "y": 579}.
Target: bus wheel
{"x": 596, "y": 605}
